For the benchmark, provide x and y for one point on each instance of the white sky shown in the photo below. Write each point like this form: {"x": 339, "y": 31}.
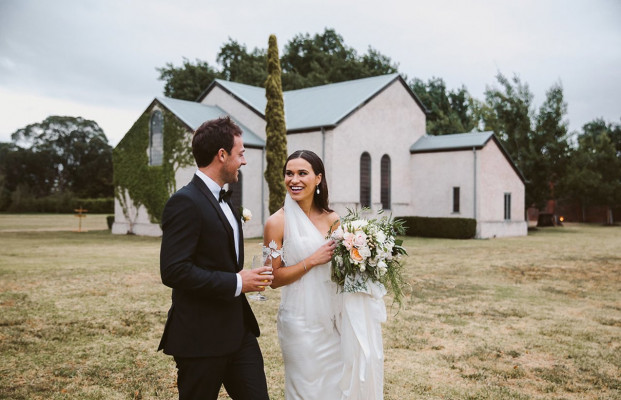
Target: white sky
{"x": 98, "y": 59}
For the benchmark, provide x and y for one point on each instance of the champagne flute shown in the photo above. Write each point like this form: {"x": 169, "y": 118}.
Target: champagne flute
{"x": 257, "y": 262}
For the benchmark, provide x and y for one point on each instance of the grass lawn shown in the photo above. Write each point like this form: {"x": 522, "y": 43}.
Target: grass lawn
{"x": 535, "y": 317}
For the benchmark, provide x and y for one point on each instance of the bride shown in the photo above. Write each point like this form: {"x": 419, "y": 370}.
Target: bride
{"x": 294, "y": 237}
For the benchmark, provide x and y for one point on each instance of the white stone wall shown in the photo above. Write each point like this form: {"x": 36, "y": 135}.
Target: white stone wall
{"x": 433, "y": 177}
{"x": 388, "y": 124}
{"x": 497, "y": 177}
{"x": 238, "y": 110}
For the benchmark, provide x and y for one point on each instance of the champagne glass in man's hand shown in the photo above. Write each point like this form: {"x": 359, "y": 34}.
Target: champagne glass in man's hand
{"x": 257, "y": 262}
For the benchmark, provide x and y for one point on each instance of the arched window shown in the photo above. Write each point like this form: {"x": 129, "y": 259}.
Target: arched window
{"x": 385, "y": 182}
{"x": 156, "y": 138}
{"x": 365, "y": 180}
{"x": 236, "y": 196}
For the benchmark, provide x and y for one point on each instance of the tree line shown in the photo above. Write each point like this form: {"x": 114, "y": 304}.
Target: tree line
{"x": 56, "y": 165}
{"x": 584, "y": 166}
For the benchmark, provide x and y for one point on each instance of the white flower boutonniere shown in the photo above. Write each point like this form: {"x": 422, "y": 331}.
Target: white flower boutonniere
{"x": 246, "y": 215}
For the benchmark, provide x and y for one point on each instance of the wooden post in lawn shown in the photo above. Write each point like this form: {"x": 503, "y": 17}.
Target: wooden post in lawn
{"x": 81, "y": 213}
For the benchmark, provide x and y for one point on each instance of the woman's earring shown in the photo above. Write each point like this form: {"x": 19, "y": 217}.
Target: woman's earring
{"x": 317, "y": 189}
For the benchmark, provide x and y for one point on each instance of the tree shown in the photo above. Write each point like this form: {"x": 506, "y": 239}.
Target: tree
{"x": 189, "y": 81}
{"x": 449, "y": 112}
{"x": 594, "y": 172}
{"x": 599, "y": 126}
{"x": 325, "y": 58}
{"x": 507, "y": 111}
{"x": 549, "y": 150}
{"x": 307, "y": 61}
{"x": 238, "y": 65}
{"x": 76, "y": 151}
{"x": 275, "y": 129}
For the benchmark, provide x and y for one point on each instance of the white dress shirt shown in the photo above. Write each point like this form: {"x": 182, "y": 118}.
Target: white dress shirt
{"x": 215, "y": 189}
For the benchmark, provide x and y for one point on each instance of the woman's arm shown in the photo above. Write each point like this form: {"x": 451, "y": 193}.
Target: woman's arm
{"x": 284, "y": 275}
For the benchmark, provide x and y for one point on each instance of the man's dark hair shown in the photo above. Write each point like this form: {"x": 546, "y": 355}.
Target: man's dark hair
{"x": 212, "y": 136}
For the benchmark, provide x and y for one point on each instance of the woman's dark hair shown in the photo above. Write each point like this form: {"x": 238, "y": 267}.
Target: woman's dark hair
{"x": 212, "y": 136}
{"x": 321, "y": 199}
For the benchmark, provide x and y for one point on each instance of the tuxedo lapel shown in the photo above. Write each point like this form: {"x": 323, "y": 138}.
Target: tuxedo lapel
{"x": 214, "y": 203}
{"x": 237, "y": 215}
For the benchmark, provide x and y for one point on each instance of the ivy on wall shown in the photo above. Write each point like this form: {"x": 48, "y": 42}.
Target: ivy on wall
{"x": 137, "y": 183}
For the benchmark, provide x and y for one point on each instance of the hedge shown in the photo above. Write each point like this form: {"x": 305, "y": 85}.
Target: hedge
{"x": 451, "y": 228}
{"x": 62, "y": 204}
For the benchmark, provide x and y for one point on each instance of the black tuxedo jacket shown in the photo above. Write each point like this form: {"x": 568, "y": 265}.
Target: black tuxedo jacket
{"x": 198, "y": 261}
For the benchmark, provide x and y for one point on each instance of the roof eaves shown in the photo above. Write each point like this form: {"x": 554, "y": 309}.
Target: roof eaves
{"x": 233, "y": 94}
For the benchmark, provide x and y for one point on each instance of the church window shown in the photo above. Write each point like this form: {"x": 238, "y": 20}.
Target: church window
{"x": 456, "y": 199}
{"x": 156, "y": 138}
{"x": 365, "y": 180}
{"x": 385, "y": 182}
{"x": 507, "y": 206}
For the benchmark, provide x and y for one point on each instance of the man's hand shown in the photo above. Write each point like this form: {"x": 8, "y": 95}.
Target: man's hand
{"x": 254, "y": 281}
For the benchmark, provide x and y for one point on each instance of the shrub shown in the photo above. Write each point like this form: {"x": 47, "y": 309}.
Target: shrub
{"x": 451, "y": 228}
{"x": 110, "y": 221}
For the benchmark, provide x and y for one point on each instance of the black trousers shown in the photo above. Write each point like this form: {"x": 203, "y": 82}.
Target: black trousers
{"x": 241, "y": 373}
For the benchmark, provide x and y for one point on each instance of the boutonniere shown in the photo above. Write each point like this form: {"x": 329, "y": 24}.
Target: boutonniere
{"x": 245, "y": 213}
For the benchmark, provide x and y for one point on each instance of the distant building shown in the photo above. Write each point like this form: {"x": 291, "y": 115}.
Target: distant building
{"x": 371, "y": 136}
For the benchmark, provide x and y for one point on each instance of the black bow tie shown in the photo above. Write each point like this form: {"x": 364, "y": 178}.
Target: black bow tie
{"x": 224, "y": 195}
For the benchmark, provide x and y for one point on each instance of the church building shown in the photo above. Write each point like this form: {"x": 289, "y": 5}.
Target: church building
{"x": 370, "y": 134}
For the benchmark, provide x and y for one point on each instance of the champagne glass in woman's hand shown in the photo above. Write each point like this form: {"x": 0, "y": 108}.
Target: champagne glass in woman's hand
{"x": 257, "y": 262}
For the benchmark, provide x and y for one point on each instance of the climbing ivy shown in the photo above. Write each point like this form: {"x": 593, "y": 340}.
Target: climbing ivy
{"x": 138, "y": 182}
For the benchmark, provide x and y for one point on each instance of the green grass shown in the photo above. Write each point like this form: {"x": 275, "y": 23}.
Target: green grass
{"x": 535, "y": 317}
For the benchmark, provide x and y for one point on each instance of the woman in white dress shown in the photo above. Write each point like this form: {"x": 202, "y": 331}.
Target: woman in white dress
{"x": 295, "y": 237}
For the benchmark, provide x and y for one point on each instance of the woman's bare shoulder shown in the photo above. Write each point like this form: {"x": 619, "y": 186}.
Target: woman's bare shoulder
{"x": 275, "y": 222}
{"x": 333, "y": 219}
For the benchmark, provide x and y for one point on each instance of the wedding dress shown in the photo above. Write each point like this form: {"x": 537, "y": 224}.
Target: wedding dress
{"x": 307, "y": 317}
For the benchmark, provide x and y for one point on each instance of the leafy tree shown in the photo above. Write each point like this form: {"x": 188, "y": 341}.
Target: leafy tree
{"x": 325, "y": 58}
{"x": 189, "y": 81}
{"x": 594, "y": 172}
{"x": 307, "y": 61}
{"x": 76, "y": 151}
{"x": 549, "y": 150}
{"x": 508, "y": 111}
{"x": 449, "y": 111}
{"x": 238, "y": 65}
{"x": 599, "y": 126}
{"x": 275, "y": 130}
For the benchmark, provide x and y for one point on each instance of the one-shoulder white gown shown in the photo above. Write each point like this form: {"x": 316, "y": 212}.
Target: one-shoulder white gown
{"x": 309, "y": 339}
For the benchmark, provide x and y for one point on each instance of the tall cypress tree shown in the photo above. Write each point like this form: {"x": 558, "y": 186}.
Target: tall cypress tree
{"x": 275, "y": 129}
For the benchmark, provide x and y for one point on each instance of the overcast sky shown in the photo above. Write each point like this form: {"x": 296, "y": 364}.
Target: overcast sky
{"x": 98, "y": 59}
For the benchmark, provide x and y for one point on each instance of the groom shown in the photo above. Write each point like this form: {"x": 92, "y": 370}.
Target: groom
{"x": 211, "y": 330}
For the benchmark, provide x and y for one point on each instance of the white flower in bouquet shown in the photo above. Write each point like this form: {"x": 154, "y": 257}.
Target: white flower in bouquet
{"x": 358, "y": 224}
{"x": 337, "y": 234}
{"x": 381, "y": 237}
{"x": 382, "y": 267}
{"x": 365, "y": 252}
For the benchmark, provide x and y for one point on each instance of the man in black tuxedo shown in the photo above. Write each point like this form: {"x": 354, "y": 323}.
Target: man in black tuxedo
{"x": 211, "y": 330}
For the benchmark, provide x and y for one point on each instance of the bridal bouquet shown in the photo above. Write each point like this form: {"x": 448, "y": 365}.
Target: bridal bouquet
{"x": 368, "y": 251}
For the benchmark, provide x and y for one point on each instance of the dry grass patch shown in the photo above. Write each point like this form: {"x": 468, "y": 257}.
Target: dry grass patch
{"x": 537, "y": 317}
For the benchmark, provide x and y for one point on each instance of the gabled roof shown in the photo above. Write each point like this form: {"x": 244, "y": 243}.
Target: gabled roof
{"x": 316, "y": 107}
{"x": 460, "y": 142}
{"x": 193, "y": 114}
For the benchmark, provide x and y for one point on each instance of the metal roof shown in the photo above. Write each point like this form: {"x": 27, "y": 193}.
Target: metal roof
{"x": 315, "y": 107}
{"x": 194, "y": 114}
{"x": 458, "y": 141}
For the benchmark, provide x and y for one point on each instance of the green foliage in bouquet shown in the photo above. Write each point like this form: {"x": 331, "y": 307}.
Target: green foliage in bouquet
{"x": 369, "y": 250}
